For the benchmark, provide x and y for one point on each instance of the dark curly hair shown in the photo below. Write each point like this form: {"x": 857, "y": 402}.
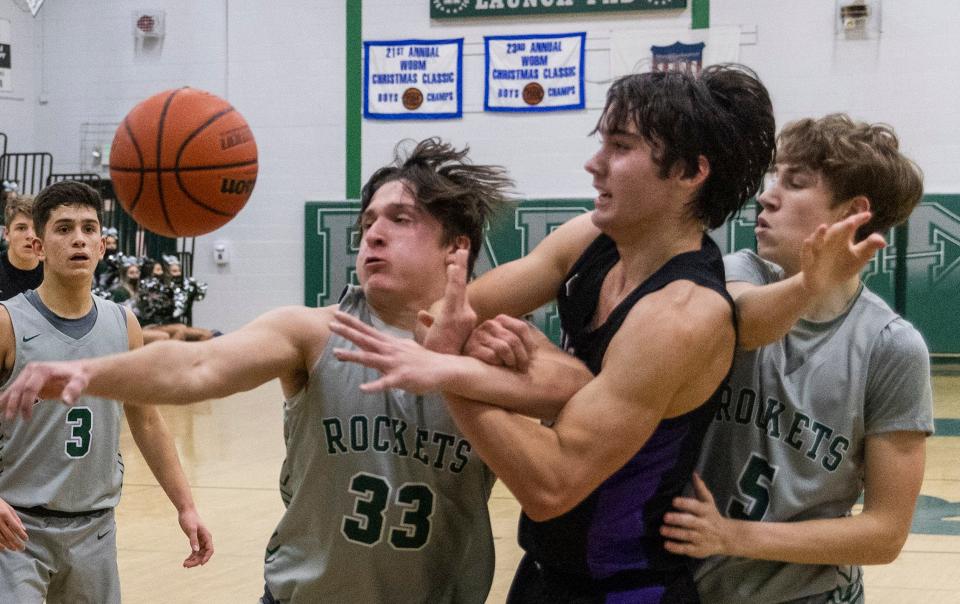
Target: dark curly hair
{"x": 723, "y": 114}
{"x": 64, "y": 193}
{"x": 460, "y": 195}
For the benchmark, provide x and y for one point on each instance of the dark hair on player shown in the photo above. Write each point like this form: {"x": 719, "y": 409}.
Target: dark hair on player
{"x": 723, "y": 114}
{"x": 460, "y": 195}
{"x": 64, "y": 193}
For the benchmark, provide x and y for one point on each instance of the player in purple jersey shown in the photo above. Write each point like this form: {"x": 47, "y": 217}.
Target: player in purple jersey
{"x": 643, "y": 304}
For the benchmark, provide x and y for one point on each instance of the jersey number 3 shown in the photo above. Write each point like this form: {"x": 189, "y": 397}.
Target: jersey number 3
{"x": 80, "y": 420}
{"x": 755, "y": 482}
{"x": 365, "y": 525}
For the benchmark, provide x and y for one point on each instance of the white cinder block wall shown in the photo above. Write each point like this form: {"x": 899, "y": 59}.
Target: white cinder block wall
{"x": 281, "y": 63}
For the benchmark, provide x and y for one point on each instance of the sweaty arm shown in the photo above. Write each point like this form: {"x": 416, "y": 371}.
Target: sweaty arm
{"x": 829, "y": 258}
{"x": 684, "y": 334}
{"x": 551, "y": 378}
{"x": 523, "y": 285}
{"x": 277, "y": 344}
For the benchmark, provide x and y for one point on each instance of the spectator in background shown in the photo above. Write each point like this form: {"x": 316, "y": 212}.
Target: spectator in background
{"x": 20, "y": 268}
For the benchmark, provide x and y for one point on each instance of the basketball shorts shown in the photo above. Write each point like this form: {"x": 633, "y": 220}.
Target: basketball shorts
{"x": 535, "y": 584}
{"x": 67, "y": 560}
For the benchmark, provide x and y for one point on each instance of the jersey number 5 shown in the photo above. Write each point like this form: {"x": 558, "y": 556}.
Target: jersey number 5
{"x": 755, "y": 482}
{"x": 365, "y": 525}
{"x": 80, "y": 420}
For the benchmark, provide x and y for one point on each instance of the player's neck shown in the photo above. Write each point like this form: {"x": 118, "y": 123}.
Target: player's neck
{"x": 834, "y": 302}
{"x": 23, "y": 264}
{"x": 393, "y": 313}
{"x": 642, "y": 253}
{"x": 66, "y": 299}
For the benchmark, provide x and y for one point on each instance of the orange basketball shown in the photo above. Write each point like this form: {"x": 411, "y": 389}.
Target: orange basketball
{"x": 183, "y": 162}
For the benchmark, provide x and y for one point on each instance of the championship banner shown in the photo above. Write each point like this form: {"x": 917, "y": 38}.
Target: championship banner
{"x": 413, "y": 79}
{"x": 6, "y": 82}
{"x": 691, "y": 50}
{"x": 542, "y": 72}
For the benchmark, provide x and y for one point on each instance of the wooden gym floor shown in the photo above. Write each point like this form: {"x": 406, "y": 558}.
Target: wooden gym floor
{"x": 232, "y": 449}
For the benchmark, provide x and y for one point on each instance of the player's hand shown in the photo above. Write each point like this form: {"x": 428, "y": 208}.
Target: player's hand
{"x": 201, "y": 542}
{"x": 64, "y": 380}
{"x": 402, "y": 362}
{"x": 449, "y": 329}
{"x": 830, "y": 256}
{"x": 503, "y": 341}
{"x": 695, "y": 527}
{"x": 12, "y": 534}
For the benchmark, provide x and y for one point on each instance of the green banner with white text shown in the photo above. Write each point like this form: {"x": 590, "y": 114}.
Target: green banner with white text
{"x": 459, "y": 9}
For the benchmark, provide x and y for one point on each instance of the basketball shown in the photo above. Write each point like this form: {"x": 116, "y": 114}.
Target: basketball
{"x": 183, "y": 162}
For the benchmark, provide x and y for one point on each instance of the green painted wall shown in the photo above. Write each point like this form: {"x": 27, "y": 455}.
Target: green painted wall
{"x": 932, "y": 257}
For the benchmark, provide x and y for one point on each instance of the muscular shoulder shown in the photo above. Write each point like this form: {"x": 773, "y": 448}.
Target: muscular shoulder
{"x": 307, "y": 328}
{"x": 299, "y": 322}
{"x": 677, "y": 342}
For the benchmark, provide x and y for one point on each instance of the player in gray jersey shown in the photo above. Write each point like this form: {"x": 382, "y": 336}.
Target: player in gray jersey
{"x": 830, "y": 394}
{"x": 385, "y": 499}
{"x": 61, "y": 472}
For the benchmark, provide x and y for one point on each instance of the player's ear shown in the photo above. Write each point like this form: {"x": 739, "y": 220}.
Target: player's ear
{"x": 699, "y": 177}
{"x": 37, "y": 244}
{"x": 102, "y": 248}
{"x": 462, "y": 242}
{"x": 860, "y": 203}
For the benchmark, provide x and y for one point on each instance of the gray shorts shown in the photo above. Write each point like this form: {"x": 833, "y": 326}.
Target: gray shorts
{"x": 66, "y": 560}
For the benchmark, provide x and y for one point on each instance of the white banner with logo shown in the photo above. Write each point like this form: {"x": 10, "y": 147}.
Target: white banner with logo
{"x": 6, "y": 81}
{"x": 637, "y": 51}
{"x": 413, "y": 79}
{"x": 535, "y": 72}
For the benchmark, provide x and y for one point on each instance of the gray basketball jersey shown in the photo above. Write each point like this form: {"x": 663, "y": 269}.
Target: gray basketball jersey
{"x": 787, "y": 443}
{"x": 64, "y": 458}
{"x": 385, "y": 499}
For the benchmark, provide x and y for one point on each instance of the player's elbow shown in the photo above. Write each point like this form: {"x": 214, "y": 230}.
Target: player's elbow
{"x": 548, "y": 503}
{"x": 887, "y": 547}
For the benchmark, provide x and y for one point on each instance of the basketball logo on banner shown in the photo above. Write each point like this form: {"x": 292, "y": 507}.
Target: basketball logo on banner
{"x": 413, "y": 79}
{"x": 678, "y": 57}
{"x": 534, "y": 72}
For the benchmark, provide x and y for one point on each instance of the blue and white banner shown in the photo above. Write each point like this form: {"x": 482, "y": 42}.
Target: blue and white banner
{"x": 534, "y": 73}
{"x": 655, "y": 49}
{"x": 413, "y": 79}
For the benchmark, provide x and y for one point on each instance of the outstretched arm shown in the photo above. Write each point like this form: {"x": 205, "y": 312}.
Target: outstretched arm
{"x": 681, "y": 331}
{"x": 829, "y": 258}
{"x": 894, "y": 470}
{"x": 277, "y": 344}
{"x": 541, "y": 391}
{"x": 537, "y": 384}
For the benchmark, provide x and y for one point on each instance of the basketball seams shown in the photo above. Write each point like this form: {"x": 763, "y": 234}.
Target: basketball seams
{"x": 241, "y": 164}
{"x": 183, "y": 147}
{"x": 136, "y": 147}
{"x": 160, "y": 197}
